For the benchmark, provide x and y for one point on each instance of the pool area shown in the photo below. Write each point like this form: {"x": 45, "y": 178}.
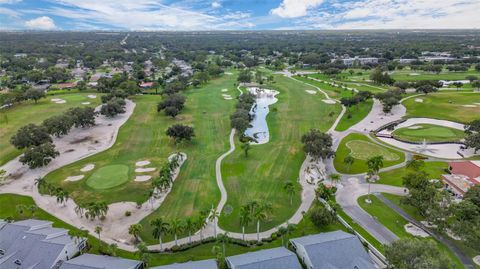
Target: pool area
{"x": 259, "y": 112}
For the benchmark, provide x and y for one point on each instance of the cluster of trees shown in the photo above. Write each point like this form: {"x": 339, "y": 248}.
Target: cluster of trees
{"x": 472, "y": 135}
{"x": 240, "y": 119}
{"x": 358, "y": 98}
{"x": 390, "y": 98}
{"x": 37, "y": 141}
{"x": 113, "y": 107}
{"x": 254, "y": 211}
{"x": 165, "y": 177}
{"x": 92, "y": 210}
{"x": 381, "y": 77}
{"x": 62, "y": 196}
{"x": 172, "y": 104}
{"x": 180, "y": 132}
{"x": 245, "y": 76}
{"x": 318, "y": 145}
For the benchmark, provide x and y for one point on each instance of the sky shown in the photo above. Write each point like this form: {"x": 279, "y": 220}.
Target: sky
{"x": 154, "y": 15}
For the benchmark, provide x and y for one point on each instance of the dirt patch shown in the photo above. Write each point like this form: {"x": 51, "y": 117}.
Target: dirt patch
{"x": 81, "y": 140}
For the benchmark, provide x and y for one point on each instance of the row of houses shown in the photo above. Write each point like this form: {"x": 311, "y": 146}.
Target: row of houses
{"x": 35, "y": 244}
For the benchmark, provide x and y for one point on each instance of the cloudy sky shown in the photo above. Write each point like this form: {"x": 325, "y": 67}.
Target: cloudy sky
{"x": 237, "y": 14}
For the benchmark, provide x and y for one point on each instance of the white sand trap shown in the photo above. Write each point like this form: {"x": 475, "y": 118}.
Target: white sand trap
{"x": 88, "y": 167}
{"x": 142, "y": 163}
{"x": 74, "y": 178}
{"x": 224, "y": 90}
{"x": 414, "y": 74}
{"x": 142, "y": 178}
{"x": 415, "y": 127}
{"x": 476, "y": 259}
{"x": 418, "y": 100}
{"x": 327, "y": 101}
{"x": 477, "y": 104}
{"x": 55, "y": 99}
{"x": 415, "y": 231}
{"x": 227, "y": 96}
{"x": 228, "y": 73}
{"x": 92, "y": 96}
{"x": 60, "y": 102}
{"x": 311, "y": 92}
{"x": 143, "y": 170}
{"x": 469, "y": 106}
{"x": 86, "y": 103}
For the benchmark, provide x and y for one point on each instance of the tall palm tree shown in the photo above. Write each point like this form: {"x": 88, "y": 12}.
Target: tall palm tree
{"x": 200, "y": 223}
{"x": 245, "y": 218}
{"x": 289, "y": 188}
{"x": 374, "y": 165}
{"x": 282, "y": 231}
{"x": 143, "y": 253}
{"x": 135, "y": 230}
{"x": 334, "y": 178}
{"x": 98, "y": 230}
{"x": 190, "y": 227}
{"x": 176, "y": 226}
{"x": 223, "y": 238}
{"x": 349, "y": 160}
{"x": 214, "y": 215}
{"x": 259, "y": 215}
{"x": 160, "y": 228}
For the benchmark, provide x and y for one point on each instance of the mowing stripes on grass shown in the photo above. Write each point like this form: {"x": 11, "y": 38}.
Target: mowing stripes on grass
{"x": 429, "y": 132}
{"x": 108, "y": 177}
{"x": 364, "y": 150}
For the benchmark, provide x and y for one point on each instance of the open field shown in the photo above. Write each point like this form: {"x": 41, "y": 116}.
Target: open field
{"x": 28, "y": 112}
{"x": 429, "y": 133}
{"x": 262, "y": 175}
{"x": 362, "y": 148}
{"x": 395, "y": 223}
{"x": 354, "y": 115}
{"x": 201, "y": 252}
{"x": 395, "y": 177}
{"x": 454, "y": 106}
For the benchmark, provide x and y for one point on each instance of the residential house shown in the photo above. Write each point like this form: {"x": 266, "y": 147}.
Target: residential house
{"x": 333, "y": 250}
{"x": 359, "y": 61}
{"x": 90, "y": 261}
{"x": 146, "y": 85}
{"x": 68, "y": 85}
{"x": 35, "y": 244}
{"x": 463, "y": 176}
{"x": 205, "y": 264}
{"x": 278, "y": 258}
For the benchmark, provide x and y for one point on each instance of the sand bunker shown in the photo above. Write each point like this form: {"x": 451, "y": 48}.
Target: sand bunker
{"x": 74, "y": 178}
{"x": 327, "y": 101}
{"x": 55, "y": 99}
{"x": 86, "y": 103}
{"x": 91, "y": 96}
{"x": 228, "y": 73}
{"x": 60, "y": 102}
{"x": 142, "y": 163}
{"x": 414, "y": 74}
{"x": 227, "y": 96}
{"x": 415, "y": 231}
{"x": 311, "y": 92}
{"x": 142, "y": 178}
{"x": 143, "y": 170}
{"x": 224, "y": 90}
{"x": 469, "y": 105}
{"x": 88, "y": 167}
{"x": 418, "y": 100}
{"x": 415, "y": 127}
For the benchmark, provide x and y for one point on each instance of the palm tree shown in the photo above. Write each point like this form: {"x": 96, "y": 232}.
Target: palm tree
{"x": 135, "y": 230}
{"x": 259, "y": 215}
{"x": 98, "y": 230}
{"x": 143, "y": 254}
{"x": 415, "y": 165}
{"x": 32, "y": 209}
{"x": 21, "y": 208}
{"x": 374, "y": 165}
{"x": 245, "y": 218}
{"x": 160, "y": 228}
{"x": 223, "y": 238}
{"x": 349, "y": 160}
{"x": 189, "y": 227}
{"x": 214, "y": 215}
{"x": 334, "y": 178}
{"x": 246, "y": 147}
{"x": 176, "y": 226}
{"x": 290, "y": 190}
{"x": 290, "y": 229}
{"x": 282, "y": 231}
{"x": 200, "y": 223}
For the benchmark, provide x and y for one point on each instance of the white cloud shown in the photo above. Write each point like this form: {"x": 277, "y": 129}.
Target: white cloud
{"x": 41, "y": 23}
{"x": 295, "y": 8}
{"x": 9, "y": 1}
{"x": 216, "y": 4}
{"x": 237, "y": 15}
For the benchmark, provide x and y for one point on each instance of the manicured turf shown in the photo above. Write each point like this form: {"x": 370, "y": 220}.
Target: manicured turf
{"x": 446, "y": 106}
{"x": 262, "y": 175}
{"x": 395, "y": 223}
{"x": 429, "y": 133}
{"x": 28, "y": 112}
{"x": 354, "y": 115}
{"x": 108, "y": 177}
{"x": 362, "y": 148}
{"x": 332, "y": 91}
{"x": 395, "y": 177}
{"x": 201, "y": 252}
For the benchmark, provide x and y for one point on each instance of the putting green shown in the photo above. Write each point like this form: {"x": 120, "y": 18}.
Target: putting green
{"x": 108, "y": 177}
{"x": 364, "y": 150}
{"x": 429, "y": 132}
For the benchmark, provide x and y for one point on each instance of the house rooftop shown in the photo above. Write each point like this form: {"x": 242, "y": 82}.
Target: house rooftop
{"x": 469, "y": 169}
{"x": 205, "y": 264}
{"x": 278, "y": 258}
{"x": 90, "y": 261}
{"x": 335, "y": 250}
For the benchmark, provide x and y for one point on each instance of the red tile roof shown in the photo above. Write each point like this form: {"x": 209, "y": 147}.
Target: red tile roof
{"x": 146, "y": 84}
{"x": 469, "y": 169}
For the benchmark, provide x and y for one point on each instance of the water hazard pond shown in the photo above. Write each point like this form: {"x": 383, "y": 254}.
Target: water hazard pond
{"x": 259, "y": 112}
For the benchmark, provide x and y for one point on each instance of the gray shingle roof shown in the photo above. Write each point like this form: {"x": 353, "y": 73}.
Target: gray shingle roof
{"x": 206, "y": 264}
{"x": 335, "y": 250}
{"x": 90, "y": 261}
{"x": 278, "y": 258}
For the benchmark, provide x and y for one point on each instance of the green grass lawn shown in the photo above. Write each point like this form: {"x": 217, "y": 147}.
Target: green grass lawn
{"x": 108, "y": 177}
{"x": 19, "y": 115}
{"x": 445, "y": 106}
{"x": 395, "y": 223}
{"x": 262, "y": 175}
{"x": 201, "y": 252}
{"x": 332, "y": 91}
{"x": 395, "y": 177}
{"x": 412, "y": 75}
{"x": 362, "y": 148}
{"x": 429, "y": 132}
{"x": 354, "y": 115}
